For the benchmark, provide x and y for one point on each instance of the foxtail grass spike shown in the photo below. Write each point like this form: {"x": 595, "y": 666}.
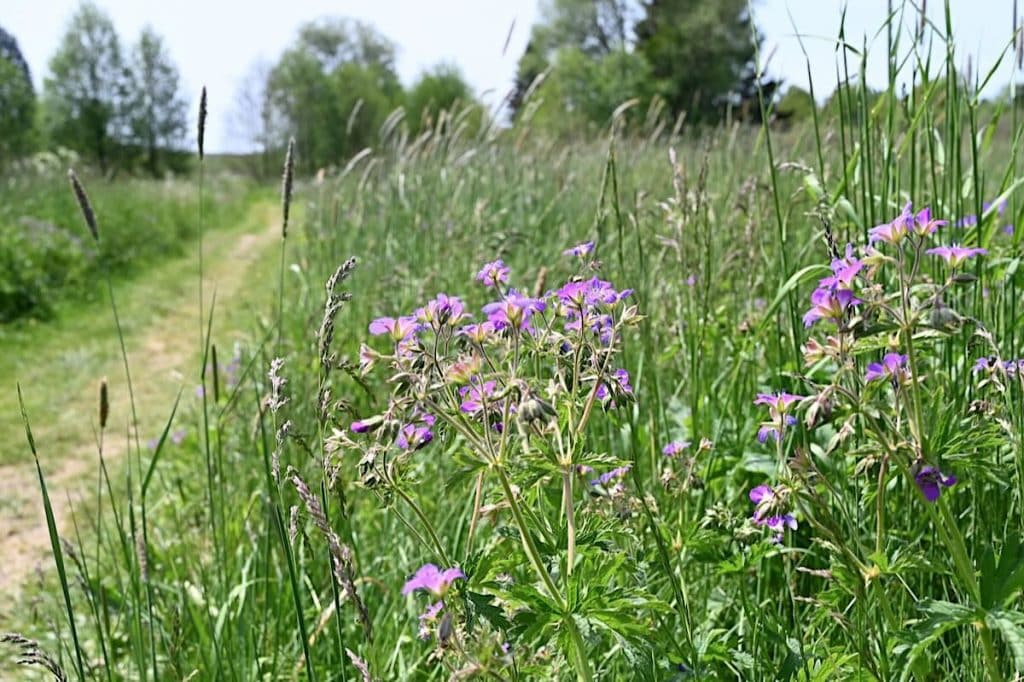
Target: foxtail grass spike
{"x": 104, "y": 403}
{"x": 202, "y": 122}
{"x": 84, "y": 204}
{"x": 286, "y": 185}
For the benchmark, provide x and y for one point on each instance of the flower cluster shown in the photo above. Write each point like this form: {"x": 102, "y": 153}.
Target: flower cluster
{"x": 779, "y": 414}
{"x": 429, "y": 578}
{"x": 834, "y": 296}
{"x": 767, "y": 504}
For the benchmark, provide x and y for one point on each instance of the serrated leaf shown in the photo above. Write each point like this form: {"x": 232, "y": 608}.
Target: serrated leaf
{"x": 1012, "y": 633}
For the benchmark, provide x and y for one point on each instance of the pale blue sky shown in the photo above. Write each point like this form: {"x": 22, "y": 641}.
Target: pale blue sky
{"x": 215, "y": 41}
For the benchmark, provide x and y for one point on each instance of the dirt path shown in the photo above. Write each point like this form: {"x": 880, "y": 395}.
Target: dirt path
{"x": 162, "y": 337}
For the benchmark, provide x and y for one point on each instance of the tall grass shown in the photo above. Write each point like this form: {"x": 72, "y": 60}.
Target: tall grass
{"x": 288, "y": 557}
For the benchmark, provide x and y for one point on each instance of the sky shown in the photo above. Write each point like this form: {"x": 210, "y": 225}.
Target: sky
{"x": 215, "y": 42}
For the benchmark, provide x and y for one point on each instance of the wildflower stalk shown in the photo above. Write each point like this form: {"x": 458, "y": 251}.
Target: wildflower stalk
{"x": 434, "y": 539}
{"x": 579, "y": 659}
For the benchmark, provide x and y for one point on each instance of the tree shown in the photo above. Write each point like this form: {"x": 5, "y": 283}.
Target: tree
{"x": 17, "y": 100}
{"x": 333, "y": 88}
{"x": 585, "y": 47}
{"x": 702, "y": 54}
{"x": 85, "y": 92}
{"x": 252, "y": 118}
{"x": 441, "y": 89}
{"x": 157, "y": 113}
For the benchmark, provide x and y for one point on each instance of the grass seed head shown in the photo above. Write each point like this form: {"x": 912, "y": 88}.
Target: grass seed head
{"x": 286, "y": 185}
{"x": 202, "y": 122}
{"x": 84, "y": 204}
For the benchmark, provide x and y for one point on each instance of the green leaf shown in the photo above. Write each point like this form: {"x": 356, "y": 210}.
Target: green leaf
{"x": 1012, "y": 633}
{"x": 943, "y": 617}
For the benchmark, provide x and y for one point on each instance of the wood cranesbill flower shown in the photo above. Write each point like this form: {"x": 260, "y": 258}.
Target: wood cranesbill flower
{"x": 778, "y": 405}
{"x": 444, "y": 309}
{"x": 580, "y": 250}
{"x": 924, "y": 225}
{"x": 475, "y": 396}
{"x": 514, "y": 311}
{"x": 433, "y": 580}
{"x": 494, "y": 273}
{"x": 930, "y": 481}
{"x": 893, "y": 366}
{"x": 956, "y": 254}
{"x": 675, "y": 448}
{"x": 414, "y": 437}
{"x": 893, "y": 232}
{"x": 398, "y": 329}
{"x": 766, "y": 502}
{"x": 830, "y": 303}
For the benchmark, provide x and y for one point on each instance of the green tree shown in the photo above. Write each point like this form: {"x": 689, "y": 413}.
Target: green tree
{"x": 441, "y": 89}
{"x": 702, "y": 54}
{"x": 17, "y": 101}
{"x": 157, "y": 113}
{"x": 332, "y": 89}
{"x": 585, "y": 48}
{"x": 85, "y": 93}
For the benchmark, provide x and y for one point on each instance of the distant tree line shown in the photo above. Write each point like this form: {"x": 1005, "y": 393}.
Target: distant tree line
{"x": 121, "y": 108}
{"x": 333, "y": 89}
{"x": 692, "y": 58}
{"x": 336, "y": 85}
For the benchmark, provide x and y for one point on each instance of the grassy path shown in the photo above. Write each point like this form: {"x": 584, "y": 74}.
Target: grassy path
{"x": 60, "y": 365}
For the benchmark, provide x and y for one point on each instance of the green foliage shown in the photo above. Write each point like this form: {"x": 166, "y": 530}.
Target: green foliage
{"x": 701, "y": 54}
{"x": 670, "y": 570}
{"x": 441, "y": 89}
{"x": 85, "y": 92}
{"x": 156, "y": 111}
{"x": 332, "y": 90}
{"x": 47, "y": 255}
{"x": 795, "y": 106}
{"x": 696, "y": 56}
{"x": 17, "y": 102}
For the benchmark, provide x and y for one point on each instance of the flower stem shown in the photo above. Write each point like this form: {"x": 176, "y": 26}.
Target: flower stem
{"x": 579, "y": 660}
{"x": 570, "y": 519}
{"x": 426, "y": 524}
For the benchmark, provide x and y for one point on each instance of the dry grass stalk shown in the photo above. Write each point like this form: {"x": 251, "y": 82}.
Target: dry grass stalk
{"x": 202, "y": 122}
{"x": 30, "y": 654}
{"x": 341, "y": 555}
{"x": 286, "y": 185}
{"x": 84, "y": 204}
{"x": 104, "y": 403}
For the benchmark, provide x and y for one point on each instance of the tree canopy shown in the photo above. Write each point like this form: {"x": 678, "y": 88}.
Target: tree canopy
{"x": 17, "y": 100}
{"x": 698, "y": 56}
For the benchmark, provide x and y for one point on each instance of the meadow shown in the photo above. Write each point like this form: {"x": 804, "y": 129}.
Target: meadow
{"x": 673, "y": 403}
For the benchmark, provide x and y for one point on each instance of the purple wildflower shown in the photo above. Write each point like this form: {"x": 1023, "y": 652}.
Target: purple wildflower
{"x": 610, "y": 476}
{"x": 765, "y": 501}
{"x": 778, "y": 407}
{"x": 414, "y": 437}
{"x": 924, "y": 224}
{"x": 956, "y": 254}
{"x": 475, "y": 396}
{"x": 359, "y": 426}
{"x": 432, "y": 579}
{"x": 514, "y": 311}
{"x": 399, "y": 329}
{"x": 830, "y": 304}
{"x": 178, "y": 437}
{"x": 893, "y": 232}
{"x": 580, "y": 250}
{"x": 492, "y": 274}
{"x": 675, "y": 448}
{"x": 892, "y": 366}
{"x": 619, "y": 387}
{"x": 844, "y": 270}
{"x": 444, "y": 309}
{"x": 931, "y": 481}
{"x": 478, "y": 333}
